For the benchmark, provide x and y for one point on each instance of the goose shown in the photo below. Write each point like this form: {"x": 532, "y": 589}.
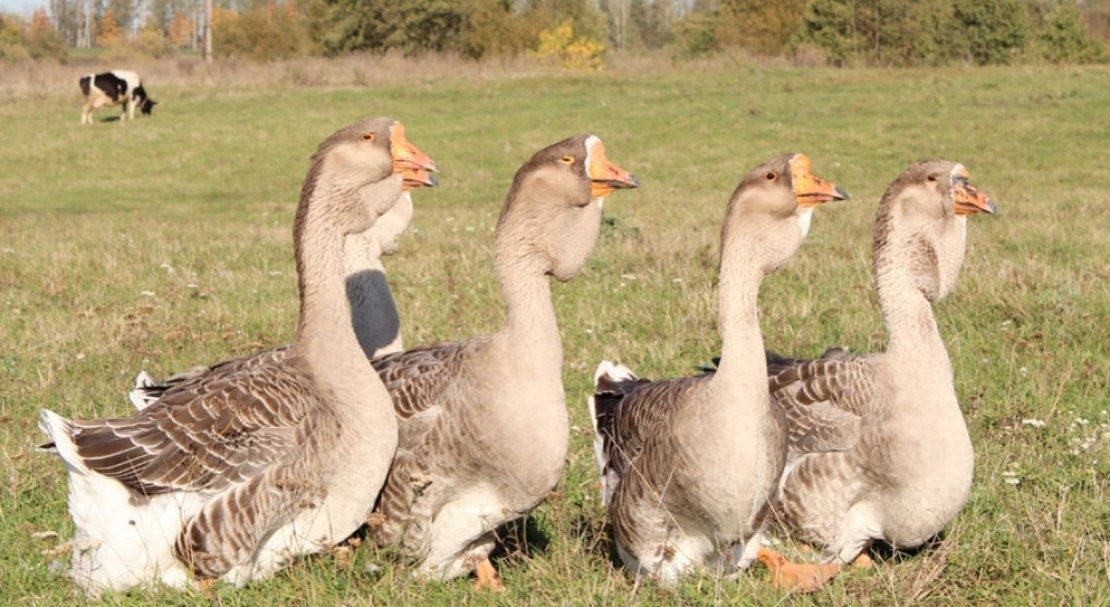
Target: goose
{"x": 483, "y": 423}
{"x": 879, "y": 447}
{"x": 229, "y": 476}
{"x": 373, "y": 312}
{"x": 688, "y": 465}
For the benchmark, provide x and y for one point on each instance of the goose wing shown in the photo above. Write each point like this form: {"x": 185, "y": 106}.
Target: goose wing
{"x": 147, "y": 390}
{"x": 627, "y": 412}
{"x": 204, "y": 434}
{"x": 421, "y": 381}
{"x": 823, "y": 401}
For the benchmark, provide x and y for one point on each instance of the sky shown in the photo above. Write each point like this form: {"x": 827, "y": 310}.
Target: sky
{"x": 20, "y": 7}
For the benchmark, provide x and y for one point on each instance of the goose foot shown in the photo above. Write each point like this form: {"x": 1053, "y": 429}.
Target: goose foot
{"x": 803, "y": 577}
{"x": 204, "y": 584}
{"x": 863, "y": 561}
{"x": 487, "y": 577}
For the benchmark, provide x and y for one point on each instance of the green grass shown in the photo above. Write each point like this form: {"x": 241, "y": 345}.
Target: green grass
{"x": 195, "y": 205}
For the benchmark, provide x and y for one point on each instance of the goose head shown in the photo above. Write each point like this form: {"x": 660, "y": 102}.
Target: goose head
{"x": 773, "y": 207}
{"x": 552, "y": 214}
{"x": 922, "y": 224}
{"x": 360, "y": 172}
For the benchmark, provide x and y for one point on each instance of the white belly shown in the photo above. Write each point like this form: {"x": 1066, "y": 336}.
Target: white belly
{"x": 118, "y": 544}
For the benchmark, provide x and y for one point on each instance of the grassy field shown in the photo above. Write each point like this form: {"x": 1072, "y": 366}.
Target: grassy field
{"x": 167, "y": 242}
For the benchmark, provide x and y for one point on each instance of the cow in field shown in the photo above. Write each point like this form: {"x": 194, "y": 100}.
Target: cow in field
{"x": 117, "y": 87}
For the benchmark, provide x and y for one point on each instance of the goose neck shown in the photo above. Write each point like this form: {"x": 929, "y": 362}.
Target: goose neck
{"x": 743, "y": 368}
{"x": 324, "y": 334}
{"x": 530, "y": 313}
{"x": 908, "y": 315}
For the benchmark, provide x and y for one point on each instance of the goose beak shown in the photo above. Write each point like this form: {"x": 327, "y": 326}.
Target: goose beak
{"x": 405, "y": 154}
{"x": 418, "y": 178}
{"x": 809, "y": 189}
{"x": 606, "y": 177}
{"x": 970, "y": 201}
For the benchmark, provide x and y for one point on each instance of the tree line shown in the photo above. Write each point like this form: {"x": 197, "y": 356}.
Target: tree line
{"x": 580, "y": 33}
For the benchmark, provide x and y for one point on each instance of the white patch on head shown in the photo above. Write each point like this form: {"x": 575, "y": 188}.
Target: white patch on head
{"x": 804, "y": 219}
{"x": 591, "y": 141}
{"x": 958, "y": 171}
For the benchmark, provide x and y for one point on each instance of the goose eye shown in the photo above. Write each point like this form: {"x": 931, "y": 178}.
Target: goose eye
{"x": 770, "y": 176}
{"x": 932, "y": 178}
{"x": 567, "y": 159}
{"x": 367, "y": 136}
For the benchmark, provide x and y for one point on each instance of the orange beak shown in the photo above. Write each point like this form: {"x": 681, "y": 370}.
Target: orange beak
{"x": 418, "y": 178}
{"x": 969, "y": 201}
{"x": 809, "y": 189}
{"x": 405, "y": 154}
{"x": 606, "y": 177}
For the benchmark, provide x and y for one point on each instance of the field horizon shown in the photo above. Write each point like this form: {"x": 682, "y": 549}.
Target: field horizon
{"x": 166, "y": 243}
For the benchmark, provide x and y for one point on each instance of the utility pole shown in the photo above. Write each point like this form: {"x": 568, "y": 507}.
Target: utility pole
{"x": 208, "y": 31}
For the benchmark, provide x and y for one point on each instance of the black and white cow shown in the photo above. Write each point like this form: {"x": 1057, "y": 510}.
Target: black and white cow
{"x": 114, "y": 88}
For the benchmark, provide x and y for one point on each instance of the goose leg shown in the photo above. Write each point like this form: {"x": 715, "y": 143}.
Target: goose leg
{"x": 806, "y": 577}
{"x": 487, "y": 576}
{"x": 863, "y": 561}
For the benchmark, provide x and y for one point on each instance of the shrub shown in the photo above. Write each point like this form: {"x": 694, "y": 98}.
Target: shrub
{"x": 697, "y": 34}
{"x": 1064, "y": 38}
{"x": 994, "y": 30}
{"x": 108, "y": 34}
{"x": 180, "y": 30}
{"x": 491, "y": 27}
{"x": 152, "y": 43}
{"x": 41, "y": 40}
{"x": 11, "y": 39}
{"x": 763, "y": 26}
{"x": 573, "y": 52}
{"x": 265, "y": 32}
{"x": 341, "y": 26}
{"x": 828, "y": 24}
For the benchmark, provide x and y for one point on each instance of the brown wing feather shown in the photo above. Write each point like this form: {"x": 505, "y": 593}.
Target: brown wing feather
{"x": 204, "y": 434}
{"x": 823, "y": 401}
{"x": 186, "y": 379}
{"x": 418, "y": 379}
{"x": 641, "y": 412}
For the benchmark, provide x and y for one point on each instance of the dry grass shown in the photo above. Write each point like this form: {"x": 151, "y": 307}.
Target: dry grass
{"x": 355, "y": 70}
{"x": 165, "y": 243}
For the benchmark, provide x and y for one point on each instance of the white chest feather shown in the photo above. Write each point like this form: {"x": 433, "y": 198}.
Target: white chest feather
{"x": 804, "y": 219}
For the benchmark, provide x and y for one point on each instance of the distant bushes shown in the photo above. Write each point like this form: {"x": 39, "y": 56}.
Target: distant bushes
{"x": 33, "y": 39}
{"x": 267, "y": 31}
{"x": 580, "y": 34}
{"x": 561, "y": 44}
{"x": 937, "y": 32}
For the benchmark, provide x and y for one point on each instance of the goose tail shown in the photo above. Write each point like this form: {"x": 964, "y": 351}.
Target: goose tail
{"x": 59, "y": 431}
{"x": 145, "y": 391}
{"x": 611, "y": 383}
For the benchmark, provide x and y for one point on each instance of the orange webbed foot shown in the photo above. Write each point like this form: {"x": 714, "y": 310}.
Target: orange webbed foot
{"x": 804, "y": 577}
{"x": 487, "y": 577}
{"x": 863, "y": 561}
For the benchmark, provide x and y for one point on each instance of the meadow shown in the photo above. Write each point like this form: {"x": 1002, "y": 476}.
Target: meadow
{"x": 167, "y": 242}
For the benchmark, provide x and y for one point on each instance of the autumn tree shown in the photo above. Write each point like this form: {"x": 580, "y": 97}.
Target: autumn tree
{"x": 764, "y": 26}
{"x": 107, "y": 31}
{"x": 180, "y": 30}
{"x": 42, "y": 40}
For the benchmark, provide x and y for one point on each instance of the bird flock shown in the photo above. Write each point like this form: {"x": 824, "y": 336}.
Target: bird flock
{"x": 227, "y": 473}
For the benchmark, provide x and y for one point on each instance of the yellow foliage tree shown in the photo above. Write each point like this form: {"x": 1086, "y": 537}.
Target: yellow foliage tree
{"x": 180, "y": 30}
{"x": 108, "y": 34}
{"x": 573, "y": 52}
{"x": 151, "y": 42}
{"x": 41, "y": 39}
